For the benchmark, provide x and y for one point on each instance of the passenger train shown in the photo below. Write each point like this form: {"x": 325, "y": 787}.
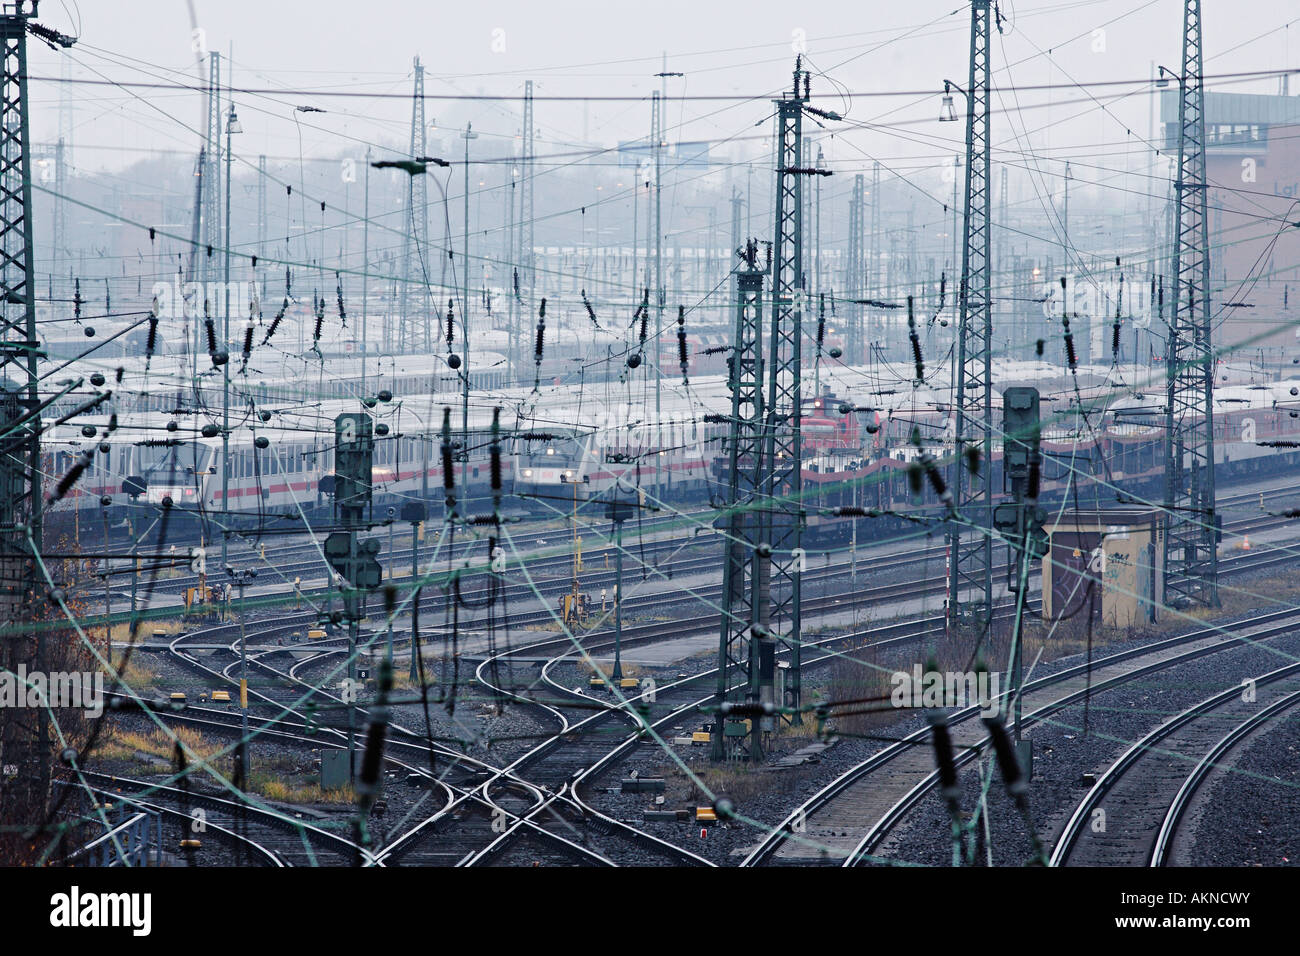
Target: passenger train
{"x": 862, "y": 430}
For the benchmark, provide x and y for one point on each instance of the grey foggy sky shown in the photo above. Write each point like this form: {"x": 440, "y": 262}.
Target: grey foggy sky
{"x": 573, "y": 48}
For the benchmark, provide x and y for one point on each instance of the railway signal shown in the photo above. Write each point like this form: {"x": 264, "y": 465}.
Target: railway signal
{"x": 358, "y": 565}
{"x": 1021, "y": 522}
{"x": 353, "y": 459}
{"x": 354, "y": 449}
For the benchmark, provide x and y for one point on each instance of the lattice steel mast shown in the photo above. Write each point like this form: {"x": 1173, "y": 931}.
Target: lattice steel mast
{"x": 744, "y": 469}
{"x": 783, "y": 515}
{"x": 854, "y": 274}
{"x": 1191, "y": 561}
{"x": 656, "y": 144}
{"x": 524, "y": 255}
{"x": 765, "y": 441}
{"x": 414, "y": 335}
{"x": 970, "y": 576}
{"x": 24, "y": 749}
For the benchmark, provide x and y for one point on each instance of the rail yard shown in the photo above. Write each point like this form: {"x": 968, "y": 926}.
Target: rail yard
{"x": 676, "y": 440}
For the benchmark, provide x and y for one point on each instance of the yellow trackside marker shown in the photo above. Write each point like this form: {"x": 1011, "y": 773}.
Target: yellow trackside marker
{"x": 243, "y": 694}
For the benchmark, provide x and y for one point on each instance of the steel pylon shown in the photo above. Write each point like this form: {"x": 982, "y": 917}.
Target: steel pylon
{"x": 1191, "y": 560}
{"x": 970, "y": 575}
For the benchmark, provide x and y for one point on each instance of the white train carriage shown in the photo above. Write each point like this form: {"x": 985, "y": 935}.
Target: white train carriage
{"x": 593, "y": 436}
{"x": 276, "y": 463}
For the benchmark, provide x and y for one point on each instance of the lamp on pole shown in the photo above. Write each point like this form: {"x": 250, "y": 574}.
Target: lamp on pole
{"x": 1065, "y": 220}
{"x": 948, "y": 114}
{"x": 241, "y": 578}
{"x": 365, "y": 276}
{"x": 232, "y": 127}
{"x": 415, "y": 512}
{"x": 468, "y": 135}
{"x": 618, "y": 510}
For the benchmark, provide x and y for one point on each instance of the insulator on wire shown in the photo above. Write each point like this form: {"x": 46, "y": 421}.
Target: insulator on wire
{"x": 495, "y": 453}
{"x": 448, "y": 473}
{"x": 541, "y": 340}
{"x": 451, "y": 322}
{"x": 936, "y": 481}
{"x": 211, "y": 330}
{"x": 1012, "y": 775}
{"x": 275, "y": 323}
{"x": 151, "y": 339}
{"x": 373, "y": 756}
{"x": 915, "y": 477}
{"x": 591, "y": 313}
{"x": 248, "y": 343}
{"x": 821, "y": 320}
{"x": 1114, "y": 340}
{"x": 849, "y": 511}
{"x": 1071, "y": 357}
{"x": 943, "y": 757}
{"x": 681, "y": 338}
{"x": 343, "y": 313}
{"x": 72, "y": 477}
{"x": 916, "y": 342}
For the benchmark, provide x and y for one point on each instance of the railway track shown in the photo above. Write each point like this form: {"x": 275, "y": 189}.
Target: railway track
{"x": 1167, "y": 849}
{"x": 588, "y": 744}
{"x": 241, "y": 842}
{"x": 1142, "y": 797}
{"x": 305, "y": 557}
{"x": 431, "y": 602}
{"x": 847, "y": 820}
{"x": 290, "y": 841}
{"x": 479, "y": 814}
{"x": 468, "y": 838}
{"x": 573, "y": 750}
{"x": 298, "y": 557}
{"x": 486, "y": 815}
